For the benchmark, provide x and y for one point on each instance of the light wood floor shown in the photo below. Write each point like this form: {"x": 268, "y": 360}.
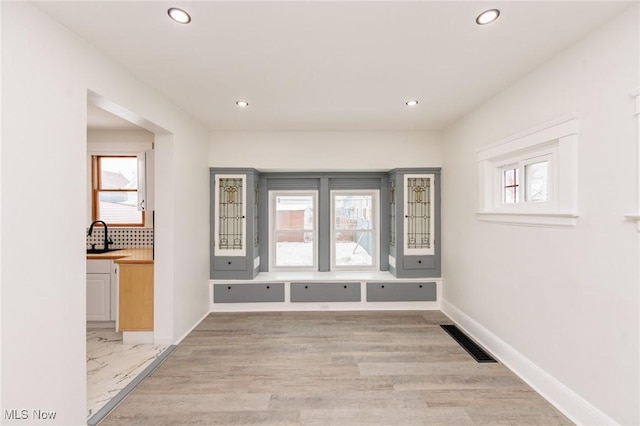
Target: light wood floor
{"x": 329, "y": 368}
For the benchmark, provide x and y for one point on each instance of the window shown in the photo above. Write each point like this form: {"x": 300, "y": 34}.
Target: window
{"x": 293, "y": 224}
{"x": 531, "y": 178}
{"x": 535, "y": 191}
{"x": 115, "y": 190}
{"x": 354, "y": 234}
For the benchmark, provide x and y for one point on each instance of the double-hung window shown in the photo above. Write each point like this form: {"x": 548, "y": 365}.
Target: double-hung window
{"x": 115, "y": 190}
{"x": 354, "y": 230}
{"x": 294, "y": 229}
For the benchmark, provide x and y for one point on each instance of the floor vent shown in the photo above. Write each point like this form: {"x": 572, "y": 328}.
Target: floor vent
{"x": 469, "y": 345}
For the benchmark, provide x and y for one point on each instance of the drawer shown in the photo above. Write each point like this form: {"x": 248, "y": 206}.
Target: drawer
{"x": 401, "y": 292}
{"x": 248, "y": 293}
{"x": 98, "y": 266}
{"x": 326, "y": 292}
{"x": 229, "y": 263}
{"x": 419, "y": 262}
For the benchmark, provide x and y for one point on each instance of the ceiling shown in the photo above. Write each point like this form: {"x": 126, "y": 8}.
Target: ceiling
{"x": 330, "y": 65}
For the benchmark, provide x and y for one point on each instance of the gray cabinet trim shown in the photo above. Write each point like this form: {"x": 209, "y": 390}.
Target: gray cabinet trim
{"x": 326, "y": 292}
{"x": 401, "y": 292}
{"x": 248, "y": 293}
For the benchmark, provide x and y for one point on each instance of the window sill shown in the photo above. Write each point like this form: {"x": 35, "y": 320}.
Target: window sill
{"x": 523, "y": 218}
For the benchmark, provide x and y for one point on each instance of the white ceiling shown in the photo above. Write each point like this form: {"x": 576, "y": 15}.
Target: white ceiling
{"x": 331, "y": 65}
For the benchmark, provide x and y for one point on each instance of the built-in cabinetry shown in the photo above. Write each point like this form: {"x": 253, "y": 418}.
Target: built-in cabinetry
{"x": 135, "y": 297}
{"x": 101, "y": 290}
{"x": 409, "y": 212}
{"x": 234, "y": 223}
{"x": 414, "y": 222}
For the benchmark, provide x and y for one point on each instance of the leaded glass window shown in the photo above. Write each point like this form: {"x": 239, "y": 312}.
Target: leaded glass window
{"x": 392, "y": 213}
{"x": 231, "y": 213}
{"x": 419, "y": 214}
{"x": 256, "y": 215}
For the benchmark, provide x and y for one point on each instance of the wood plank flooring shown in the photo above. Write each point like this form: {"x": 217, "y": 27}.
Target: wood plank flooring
{"x": 329, "y": 368}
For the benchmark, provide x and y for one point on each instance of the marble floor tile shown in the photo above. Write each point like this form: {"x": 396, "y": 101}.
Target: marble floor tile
{"x": 112, "y": 365}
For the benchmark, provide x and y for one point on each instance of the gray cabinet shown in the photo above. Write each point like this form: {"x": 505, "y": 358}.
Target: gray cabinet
{"x": 325, "y": 292}
{"x": 401, "y": 292}
{"x": 234, "y": 223}
{"x": 248, "y": 293}
{"x": 414, "y": 223}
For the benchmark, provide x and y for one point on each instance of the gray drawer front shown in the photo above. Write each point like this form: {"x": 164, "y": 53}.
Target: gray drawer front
{"x": 419, "y": 262}
{"x": 401, "y": 292}
{"x": 248, "y": 293}
{"x": 325, "y": 292}
{"x": 229, "y": 263}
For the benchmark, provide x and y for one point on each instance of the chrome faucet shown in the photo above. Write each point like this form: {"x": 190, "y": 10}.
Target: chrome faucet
{"x": 107, "y": 240}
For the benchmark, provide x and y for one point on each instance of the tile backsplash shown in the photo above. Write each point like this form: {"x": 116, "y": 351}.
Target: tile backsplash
{"x": 122, "y": 237}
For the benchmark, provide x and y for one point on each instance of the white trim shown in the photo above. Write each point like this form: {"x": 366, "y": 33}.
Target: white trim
{"x": 432, "y": 237}
{"x": 272, "y": 231}
{"x": 572, "y": 405}
{"x": 375, "y": 230}
{"x": 636, "y": 93}
{"x": 549, "y": 220}
{"x": 137, "y": 337}
{"x": 564, "y": 126}
{"x": 558, "y": 141}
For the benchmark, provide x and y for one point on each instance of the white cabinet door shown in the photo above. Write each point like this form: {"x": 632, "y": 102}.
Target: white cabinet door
{"x": 98, "y": 297}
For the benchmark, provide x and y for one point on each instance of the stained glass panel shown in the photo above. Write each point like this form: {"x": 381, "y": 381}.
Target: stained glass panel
{"x": 230, "y": 214}
{"x": 418, "y": 232}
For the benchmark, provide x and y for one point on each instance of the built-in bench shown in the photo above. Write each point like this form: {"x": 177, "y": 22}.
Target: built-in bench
{"x": 325, "y": 291}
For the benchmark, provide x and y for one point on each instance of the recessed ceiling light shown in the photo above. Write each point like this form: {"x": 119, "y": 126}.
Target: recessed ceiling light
{"x": 487, "y": 17}
{"x": 179, "y": 15}
{"x": 242, "y": 104}
{"x": 412, "y": 102}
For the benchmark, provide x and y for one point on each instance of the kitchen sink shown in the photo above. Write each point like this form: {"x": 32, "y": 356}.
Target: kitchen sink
{"x": 98, "y": 251}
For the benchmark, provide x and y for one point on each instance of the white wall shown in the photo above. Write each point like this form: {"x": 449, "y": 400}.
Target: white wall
{"x": 327, "y": 151}
{"x": 46, "y": 72}
{"x": 564, "y": 301}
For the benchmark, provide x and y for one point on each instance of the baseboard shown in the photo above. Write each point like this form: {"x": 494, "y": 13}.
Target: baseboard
{"x": 192, "y": 328}
{"x": 572, "y": 405}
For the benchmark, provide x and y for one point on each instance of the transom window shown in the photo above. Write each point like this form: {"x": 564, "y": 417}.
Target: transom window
{"x": 115, "y": 190}
{"x": 354, "y": 231}
{"x": 531, "y": 178}
{"x": 536, "y": 186}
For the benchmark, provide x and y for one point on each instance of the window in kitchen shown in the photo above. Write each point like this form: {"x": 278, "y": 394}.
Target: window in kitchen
{"x": 115, "y": 190}
{"x": 293, "y": 224}
{"x": 354, "y": 230}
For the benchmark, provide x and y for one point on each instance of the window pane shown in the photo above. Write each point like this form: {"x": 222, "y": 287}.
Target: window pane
{"x": 353, "y": 211}
{"x": 118, "y": 173}
{"x": 537, "y": 176}
{"x": 354, "y": 248}
{"x": 510, "y": 191}
{"x": 294, "y": 248}
{"x": 119, "y": 207}
{"x": 294, "y": 212}
{"x": 418, "y": 213}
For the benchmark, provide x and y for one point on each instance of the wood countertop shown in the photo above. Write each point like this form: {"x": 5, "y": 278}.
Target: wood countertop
{"x": 125, "y": 256}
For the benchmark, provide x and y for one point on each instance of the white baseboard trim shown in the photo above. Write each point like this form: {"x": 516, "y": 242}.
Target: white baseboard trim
{"x": 192, "y": 328}
{"x": 572, "y": 405}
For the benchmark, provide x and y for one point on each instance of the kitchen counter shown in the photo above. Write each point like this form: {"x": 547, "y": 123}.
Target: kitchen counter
{"x": 125, "y": 256}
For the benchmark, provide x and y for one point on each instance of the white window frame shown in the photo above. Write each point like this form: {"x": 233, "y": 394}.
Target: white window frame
{"x": 557, "y": 142}
{"x": 375, "y": 231}
{"x": 230, "y": 252}
{"x": 272, "y": 231}
{"x": 432, "y": 203}
{"x": 520, "y": 163}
